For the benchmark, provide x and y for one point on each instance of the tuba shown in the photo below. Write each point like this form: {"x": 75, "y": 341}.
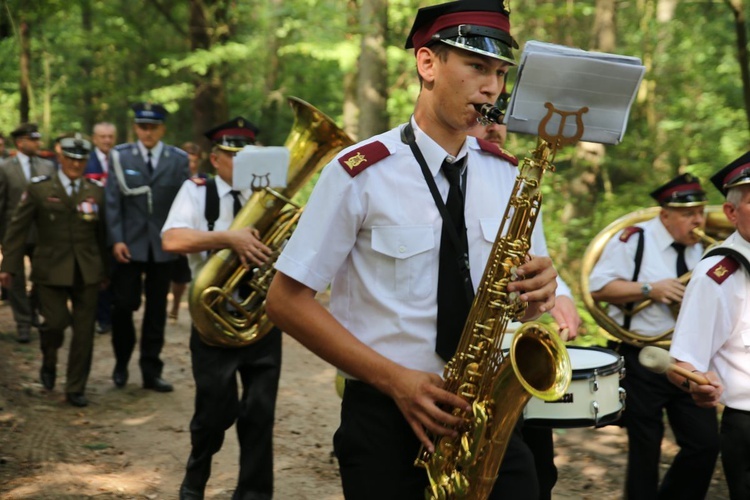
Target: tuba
{"x": 716, "y": 229}
{"x": 496, "y": 385}
{"x": 226, "y": 300}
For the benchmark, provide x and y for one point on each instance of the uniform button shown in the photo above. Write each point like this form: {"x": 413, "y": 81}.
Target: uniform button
{"x": 402, "y": 249}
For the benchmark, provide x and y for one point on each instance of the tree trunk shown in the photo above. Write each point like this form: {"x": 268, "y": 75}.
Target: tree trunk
{"x": 88, "y": 113}
{"x": 25, "y": 80}
{"x": 740, "y": 27}
{"x": 208, "y": 26}
{"x": 351, "y": 105}
{"x": 372, "y": 87}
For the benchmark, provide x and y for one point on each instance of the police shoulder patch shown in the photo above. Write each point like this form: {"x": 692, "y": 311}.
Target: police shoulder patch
{"x": 199, "y": 181}
{"x": 40, "y": 178}
{"x": 723, "y": 269}
{"x": 628, "y": 232}
{"x": 492, "y": 148}
{"x": 367, "y": 155}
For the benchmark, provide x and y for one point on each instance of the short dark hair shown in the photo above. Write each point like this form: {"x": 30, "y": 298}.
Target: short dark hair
{"x": 191, "y": 148}
{"x": 441, "y": 51}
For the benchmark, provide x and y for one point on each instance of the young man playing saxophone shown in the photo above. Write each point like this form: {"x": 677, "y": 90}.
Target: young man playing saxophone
{"x": 373, "y": 229}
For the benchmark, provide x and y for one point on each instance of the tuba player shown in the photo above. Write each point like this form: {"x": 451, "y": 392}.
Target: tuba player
{"x": 218, "y": 400}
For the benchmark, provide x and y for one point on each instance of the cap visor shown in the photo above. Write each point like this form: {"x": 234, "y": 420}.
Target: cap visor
{"x": 485, "y": 46}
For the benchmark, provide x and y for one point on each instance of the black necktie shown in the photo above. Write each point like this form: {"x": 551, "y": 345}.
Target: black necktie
{"x": 453, "y": 275}
{"x": 237, "y": 202}
{"x": 150, "y": 165}
{"x": 681, "y": 265}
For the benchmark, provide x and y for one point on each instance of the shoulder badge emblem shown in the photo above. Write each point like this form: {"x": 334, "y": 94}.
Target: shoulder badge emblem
{"x": 364, "y": 156}
{"x": 199, "y": 181}
{"x": 628, "y": 232}
{"x": 723, "y": 270}
{"x": 39, "y": 178}
{"x": 492, "y": 148}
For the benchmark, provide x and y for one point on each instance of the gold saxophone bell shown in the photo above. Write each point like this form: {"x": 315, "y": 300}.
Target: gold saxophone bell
{"x": 222, "y": 315}
{"x": 717, "y": 228}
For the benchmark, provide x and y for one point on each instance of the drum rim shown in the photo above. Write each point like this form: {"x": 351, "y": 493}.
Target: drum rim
{"x": 570, "y": 423}
{"x": 602, "y": 371}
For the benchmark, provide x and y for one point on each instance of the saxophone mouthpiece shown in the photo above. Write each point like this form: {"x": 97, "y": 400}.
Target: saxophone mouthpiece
{"x": 489, "y": 113}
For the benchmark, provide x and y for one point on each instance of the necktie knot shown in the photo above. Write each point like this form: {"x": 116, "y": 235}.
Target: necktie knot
{"x": 149, "y": 163}
{"x": 452, "y": 172}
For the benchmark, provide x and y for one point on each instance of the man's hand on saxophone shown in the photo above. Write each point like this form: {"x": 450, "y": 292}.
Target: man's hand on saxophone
{"x": 537, "y": 285}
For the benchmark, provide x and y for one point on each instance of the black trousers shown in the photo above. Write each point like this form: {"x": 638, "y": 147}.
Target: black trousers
{"x": 129, "y": 282}
{"x": 376, "y": 450}
{"x": 540, "y": 442}
{"x": 735, "y": 452}
{"x": 695, "y": 429}
{"x": 218, "y": 404}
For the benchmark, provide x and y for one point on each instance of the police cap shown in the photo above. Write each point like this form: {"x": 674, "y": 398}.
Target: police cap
{"x": 146, "y": 112}
{"x": 683, "y": 191}
{"x": 735, "y": 174}
{"x": 233, "y": 135}
{"x": 480, "y": 26}
{"x": 30, "y": 130}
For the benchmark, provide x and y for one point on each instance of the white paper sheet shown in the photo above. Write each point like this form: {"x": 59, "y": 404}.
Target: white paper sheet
{"x": 570, "y": 79}
{"x": 258, "y": 167}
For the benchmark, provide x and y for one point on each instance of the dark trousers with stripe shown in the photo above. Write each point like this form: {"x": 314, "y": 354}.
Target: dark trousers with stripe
{"x": 695, "y": 429}
{"x": 219, "y": 403}
{"x": 376, "y": 450}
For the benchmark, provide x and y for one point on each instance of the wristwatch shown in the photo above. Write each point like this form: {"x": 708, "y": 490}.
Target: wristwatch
{"x": 646, "y": 289}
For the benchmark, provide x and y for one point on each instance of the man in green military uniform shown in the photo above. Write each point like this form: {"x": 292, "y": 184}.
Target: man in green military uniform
{"x": 68, "y": 263}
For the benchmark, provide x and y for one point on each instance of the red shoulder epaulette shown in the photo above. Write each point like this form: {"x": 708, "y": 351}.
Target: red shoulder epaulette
{"x": 723, "y": 269}
{"x": 199, "y": 181}
{"x": 496, "y": 150}
{"x": 358, "y": 159}
{"x": 628, "y": 232}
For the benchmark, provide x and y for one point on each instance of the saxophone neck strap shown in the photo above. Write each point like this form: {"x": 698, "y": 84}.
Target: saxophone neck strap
{"x": 407, "y": 136}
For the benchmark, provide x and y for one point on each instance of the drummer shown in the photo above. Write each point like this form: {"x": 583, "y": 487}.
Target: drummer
{"x": 643, "y": 262}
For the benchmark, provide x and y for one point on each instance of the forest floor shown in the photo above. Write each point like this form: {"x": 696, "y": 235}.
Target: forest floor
{"x": 132, "y": 443}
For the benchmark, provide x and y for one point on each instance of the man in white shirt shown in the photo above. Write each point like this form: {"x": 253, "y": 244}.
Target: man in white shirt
{"x": 712, "y": 335}
{"x": 645, "y": 261}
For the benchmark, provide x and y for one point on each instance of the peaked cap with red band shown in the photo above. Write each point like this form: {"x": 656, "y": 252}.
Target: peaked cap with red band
{"x": 683, "y": 191}
{"x": 480, "y": 26}
{"x": 233, "y": 135}
{"x": 735, "y": 174}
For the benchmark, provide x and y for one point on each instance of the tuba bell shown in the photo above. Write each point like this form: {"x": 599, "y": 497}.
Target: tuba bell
{"x": 226, "y": 300}
{"x": 716, "y": 229}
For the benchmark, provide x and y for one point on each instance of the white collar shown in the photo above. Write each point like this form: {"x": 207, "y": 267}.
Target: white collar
{"x": 155, "y": 151}
{"x": 222, "y": 188}
{"x": 433, "y": 153}
{"x": 64, "y": 180}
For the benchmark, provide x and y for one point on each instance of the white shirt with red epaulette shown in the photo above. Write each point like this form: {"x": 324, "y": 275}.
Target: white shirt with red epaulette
{"x": 617, "y": 262}
{"x": 713, "y": 329}
{"x": 371, "y": 229}
{"x": 189, "y": 207}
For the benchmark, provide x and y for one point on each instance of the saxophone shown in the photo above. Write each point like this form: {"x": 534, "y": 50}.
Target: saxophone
{"x": 498, "y": 385}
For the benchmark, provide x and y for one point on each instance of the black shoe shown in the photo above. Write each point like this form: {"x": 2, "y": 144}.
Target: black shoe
{"x": 102, "y": 328}
{"x": 77, "y": 399}
{"x": 47, "y": 376}
{"x": 24, "y": 336}
{"x": 188, "y": 493}
{"x": 158, "y": 384}
{"x": 120, "y": 377}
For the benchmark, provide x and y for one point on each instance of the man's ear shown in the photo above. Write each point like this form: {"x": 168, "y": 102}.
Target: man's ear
{"x": 426, "y": 61}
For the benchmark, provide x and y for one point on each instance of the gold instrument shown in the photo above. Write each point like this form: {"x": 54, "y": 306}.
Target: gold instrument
{"x": 498, "y": 385}
{"x": 221, "y": 316}
{"x": 717, "y": 228}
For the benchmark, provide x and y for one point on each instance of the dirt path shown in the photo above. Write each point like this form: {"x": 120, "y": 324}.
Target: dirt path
{"x": 132, "y": 443}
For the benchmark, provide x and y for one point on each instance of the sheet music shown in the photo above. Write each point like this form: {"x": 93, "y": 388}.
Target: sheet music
{"x": 570, "y": 79}
{"x": 259, "y": 167}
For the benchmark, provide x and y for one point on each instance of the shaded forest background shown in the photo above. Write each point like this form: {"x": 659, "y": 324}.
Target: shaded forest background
{"x": 69, "y": 64}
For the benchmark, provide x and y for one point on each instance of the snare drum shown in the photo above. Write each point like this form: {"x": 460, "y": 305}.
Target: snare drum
{"x": 594, "y": 397}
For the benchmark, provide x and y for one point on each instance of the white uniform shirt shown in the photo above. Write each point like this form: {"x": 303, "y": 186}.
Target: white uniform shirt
{"x": 155, "y": 153}
{"x": 103, "y": 159}
{"x": 189, "y": 207}
{"x": 713, "y": 329}
{"x": 25, "y": 162}
{"x": 617, "y": 262}
{"x": 376, "y": 238}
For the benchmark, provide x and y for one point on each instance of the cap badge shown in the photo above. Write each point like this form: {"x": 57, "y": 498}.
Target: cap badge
{"x": 147, "y": 106}
{"x": 354, "y": 161}
{"x": 241, "y": 123}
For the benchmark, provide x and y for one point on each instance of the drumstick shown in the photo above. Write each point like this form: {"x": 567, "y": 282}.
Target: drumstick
{"x": 657, "y": 360}
{"x": 564, "y": 333}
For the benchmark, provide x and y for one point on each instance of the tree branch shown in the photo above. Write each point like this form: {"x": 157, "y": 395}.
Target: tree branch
{"x": 168, "y": 16}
